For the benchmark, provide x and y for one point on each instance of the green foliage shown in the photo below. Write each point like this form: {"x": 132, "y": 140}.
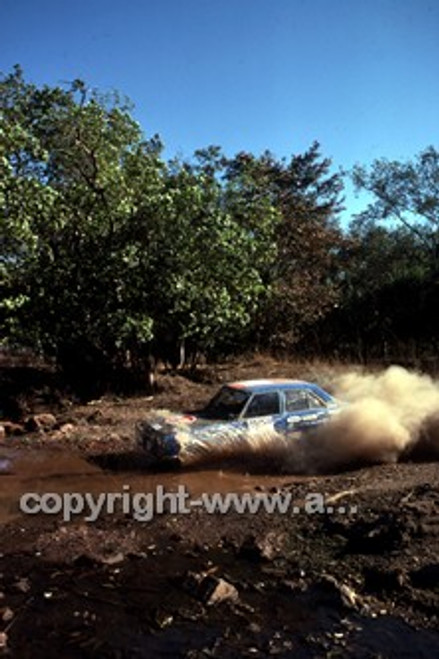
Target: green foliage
{"x": 109, "y": 253}
{"x": 207, "y": 268}
{"x": 389, "y": 274}
{"x": 302, "y": 281}
{"x": 379, "y": 255}
{"x": 68, "y": 216}
{"x": 104, "y": 247}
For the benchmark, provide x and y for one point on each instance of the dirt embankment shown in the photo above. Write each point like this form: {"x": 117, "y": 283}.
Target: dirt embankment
{"x": 358, "y": 577}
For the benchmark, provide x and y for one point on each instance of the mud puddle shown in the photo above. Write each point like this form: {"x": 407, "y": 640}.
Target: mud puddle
{"x": 308, "y": 586}
{"x": 60, "y": 471}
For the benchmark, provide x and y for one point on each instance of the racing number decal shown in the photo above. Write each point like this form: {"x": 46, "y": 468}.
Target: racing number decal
{"x": 261, "y": 421}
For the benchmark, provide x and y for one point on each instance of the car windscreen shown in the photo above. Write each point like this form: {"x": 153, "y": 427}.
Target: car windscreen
{"x": 227, "y": 404}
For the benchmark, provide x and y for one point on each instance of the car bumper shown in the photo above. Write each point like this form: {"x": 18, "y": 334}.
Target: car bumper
{"x": 155, "y": 444}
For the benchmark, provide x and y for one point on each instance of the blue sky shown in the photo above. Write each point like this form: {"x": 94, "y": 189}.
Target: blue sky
{"x": 359, "y": 76}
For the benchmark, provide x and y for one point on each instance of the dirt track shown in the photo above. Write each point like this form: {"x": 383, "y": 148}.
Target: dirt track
{"x": 350, "y": 583}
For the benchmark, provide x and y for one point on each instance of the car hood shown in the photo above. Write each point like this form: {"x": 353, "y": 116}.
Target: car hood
{"x": 170, "y": 422}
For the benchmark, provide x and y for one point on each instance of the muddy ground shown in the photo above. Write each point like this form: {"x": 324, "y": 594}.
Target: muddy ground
{"x": 358, "y": 579}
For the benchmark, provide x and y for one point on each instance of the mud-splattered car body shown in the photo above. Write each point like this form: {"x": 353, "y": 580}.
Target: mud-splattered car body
{"x": 287, "y": 407}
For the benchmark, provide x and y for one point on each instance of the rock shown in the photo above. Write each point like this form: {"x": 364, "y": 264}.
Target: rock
{"x": 3, "y": 640}
{"x": 42, "y": 422}
{"x": 264, "y": 548}
{"x": 6, "y": 614}
{"x": 67, "y": 428}
{"x": 95, "y": 417}
{"x": 57, "y": 436}
{"x": 348, "y": 595}
{"x": 63, "y": 432}
{"x": 214, "y": 590}
{"x": 162, "y": 619}
{"x": 339, "y": 593}
{"x": 254, "y": 628}
{"x": 209, "y": 589}
{"x": 2, "y": 432}
{"x": 112, "y": 437}
{"x": 23, "y": 585}
{"x": 13, "y": 429}
{"x": 113, "y": 559}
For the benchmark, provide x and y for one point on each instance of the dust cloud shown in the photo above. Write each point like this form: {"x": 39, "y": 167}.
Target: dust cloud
{"x": 389, "y": 415}
{"x": 384, "y": 417}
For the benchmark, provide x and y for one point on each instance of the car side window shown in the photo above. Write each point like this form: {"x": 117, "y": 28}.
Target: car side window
{"x": 263, "y": 405}
{"x": 299, "y": 399}
{"x": 296, "y": 400}
{"x": 315, "y": 401}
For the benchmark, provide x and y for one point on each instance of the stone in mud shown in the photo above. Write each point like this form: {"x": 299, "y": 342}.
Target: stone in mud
{"x": 162, "y": 619}
{"x": 23, "y": 585}
{"x": 334, "y": 593}
{"x": 3, "y": 640}
{"x": 41, "y": 422}
{"x": 13, "y": 429}
{"x": 263, "y": 548}
{"x": 214, "y": 590}
{"x": 64, "y": 431}
{"x": 6, "y": 614}
{"x": 209, "y": 589}
{"x": 67, "y": 428}
{"x": 112, "y": 437}
{"x": 96, "y": 416}
{"x": 113, "y": 559}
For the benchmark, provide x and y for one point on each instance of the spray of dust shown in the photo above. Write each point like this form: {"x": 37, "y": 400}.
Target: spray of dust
{"x": 255, "y": 450}
{"x": 386, "y": 417}
{"x": 389, "y": 415}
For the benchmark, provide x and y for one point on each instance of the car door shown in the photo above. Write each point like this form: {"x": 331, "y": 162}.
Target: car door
{"x": 262, "y": 410}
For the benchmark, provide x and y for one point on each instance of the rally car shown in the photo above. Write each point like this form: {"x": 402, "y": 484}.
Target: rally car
{"x": 289, "y": 407}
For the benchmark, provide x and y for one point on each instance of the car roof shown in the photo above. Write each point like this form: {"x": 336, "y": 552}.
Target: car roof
{"x": 267, "y": 384}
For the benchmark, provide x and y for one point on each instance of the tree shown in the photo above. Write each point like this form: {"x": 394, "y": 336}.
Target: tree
{"x": 75, "y": 166}
{"x": 109, "y": 253}
{"x": 381, "y": 255}
{"x": 211, "y": 263}
{"x": 106, "y": 249}
{"x": 407, "y": 192}
{"x": 391, "y": 282}
{"x": 302, "y": 277}
{"x": 387, "y": 307}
